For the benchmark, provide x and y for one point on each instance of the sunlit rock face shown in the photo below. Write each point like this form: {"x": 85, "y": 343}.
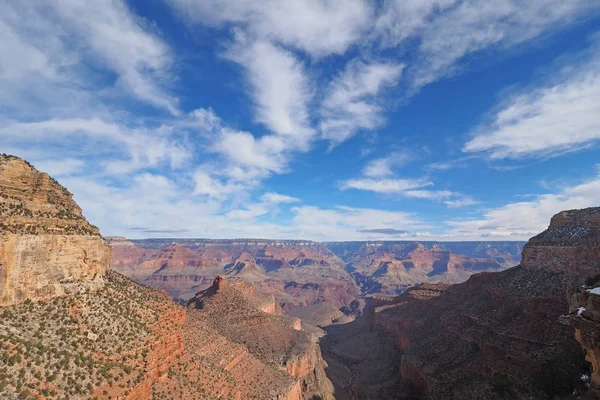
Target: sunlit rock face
{"x": 47, "y": 247}
{"x": 392, "y": 267}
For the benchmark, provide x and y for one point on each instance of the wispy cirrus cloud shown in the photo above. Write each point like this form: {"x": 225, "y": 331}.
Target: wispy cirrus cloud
{"x": 386, "y": 186}
{"x": 44, "y": 44}
{"x": 378, "y": 177}
{"x": 384, "y": 166}
{"x": 448, "y": 31}
{"x": 317, "y": 27}
{"x": 521, "y": 220}
{"x": 353, "y": 101}
{"x": 561, "y": 114}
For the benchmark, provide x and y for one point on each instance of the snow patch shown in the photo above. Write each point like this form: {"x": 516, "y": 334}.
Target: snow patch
{"x": 594, "y": 291}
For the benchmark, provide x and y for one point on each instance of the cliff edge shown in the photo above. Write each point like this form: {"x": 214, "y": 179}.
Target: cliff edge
{"x": 47, "y": 247}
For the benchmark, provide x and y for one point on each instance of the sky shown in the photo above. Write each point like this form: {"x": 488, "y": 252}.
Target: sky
{"x": 316, "y": 119}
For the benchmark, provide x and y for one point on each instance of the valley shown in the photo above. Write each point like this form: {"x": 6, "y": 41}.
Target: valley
{"x": 89, "y": 317}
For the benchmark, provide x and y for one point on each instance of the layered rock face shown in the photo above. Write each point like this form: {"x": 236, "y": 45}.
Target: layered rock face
{"x": 497, "y": 335}
{"x": 47, "y": 248}
{"x": 78, "y": 330}
{"x": 392, "y": 267}
{"x": 275, "y": 340}
{"x": 570, "y": 244}
{"x": 296, "y": 273}
{"x": 585, "y": 319}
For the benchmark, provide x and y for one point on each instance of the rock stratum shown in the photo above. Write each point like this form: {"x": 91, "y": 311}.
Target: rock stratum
{"x": 320, "y": 283}
{"x": 296, "y": 273}
{"x": 71, "y": 328}
{"x": 47, "y": 247}
{"x": 392, "y": 267}
{"x": 495, "y": 336}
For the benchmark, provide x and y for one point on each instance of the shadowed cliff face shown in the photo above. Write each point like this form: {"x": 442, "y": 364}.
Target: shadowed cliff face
{"x": 47, "y": 248}
{"x": 495, "y": 336}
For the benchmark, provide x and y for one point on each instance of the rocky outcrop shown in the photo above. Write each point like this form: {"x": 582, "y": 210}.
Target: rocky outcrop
{"x": 47, "y": 248}
{"x": 272, "y": 339}
{"x": 571, "y": 244}
{"x": 584, "y": 317}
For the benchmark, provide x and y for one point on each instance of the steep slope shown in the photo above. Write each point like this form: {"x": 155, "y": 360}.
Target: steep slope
{"x": 495, "y": 336}
{"x": 276, "y": 340}
{"x": 47, "y": 248}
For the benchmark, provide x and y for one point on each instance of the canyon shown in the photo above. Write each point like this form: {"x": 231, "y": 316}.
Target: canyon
{"x": 498, "y": 335}
{"x": 289, "y": 319}
{"x": 72, "y": 328}
{"x": 322, "y": 283}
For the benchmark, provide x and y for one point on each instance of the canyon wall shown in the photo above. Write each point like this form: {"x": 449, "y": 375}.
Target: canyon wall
{"x": 47, "y": 248}
{"x": 497, "y": 335}
{"x": 571, "y": 244}
{"x": 392, "y": 267}
{"x": 294, "y": 273}
{"x": 585, "y": 319}
{"x": 64, "y": 314}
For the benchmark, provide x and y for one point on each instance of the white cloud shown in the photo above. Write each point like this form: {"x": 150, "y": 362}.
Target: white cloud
{"x": 206, "y": 184}
{"x": 522, "y": 220}
{"x": 241, "y": 148}
{"x": 279, "y": 87}
{"x": 561, "y": 115}
{"x": 448, "y": 197}
{"x": 276, "y": 198}
{"x": 349, "y": 223}
{"x": 380, "y": 167}
{"x": 352, "y": 102}
{"x": 378, "y": 178}
{"x": 129, "y": 148}
{"x": 45, "y": 44}
{"x": 319, "y": 27}
{"x": 449, "y": 30}
{"x": 58, "y": 168}
{"x": 387, "y": 186}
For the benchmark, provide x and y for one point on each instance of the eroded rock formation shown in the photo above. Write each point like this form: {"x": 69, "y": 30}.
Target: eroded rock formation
{"x": 70, "y": 328}
{"x": 495, "y": 336}
{"x": 273, "y": 339}
{"x": 296, "y": 273}
{"x": 47, "y": 248}
{"x": 392, "y": 267}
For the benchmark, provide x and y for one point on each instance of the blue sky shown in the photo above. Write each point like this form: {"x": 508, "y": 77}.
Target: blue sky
{"x": 315, "y": 119}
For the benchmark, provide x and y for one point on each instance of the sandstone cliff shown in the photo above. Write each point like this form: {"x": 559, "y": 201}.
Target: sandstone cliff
{"x": 571, "y": 244}
{"x": 585, "y": 319}
{"x": 47, "y": 248}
